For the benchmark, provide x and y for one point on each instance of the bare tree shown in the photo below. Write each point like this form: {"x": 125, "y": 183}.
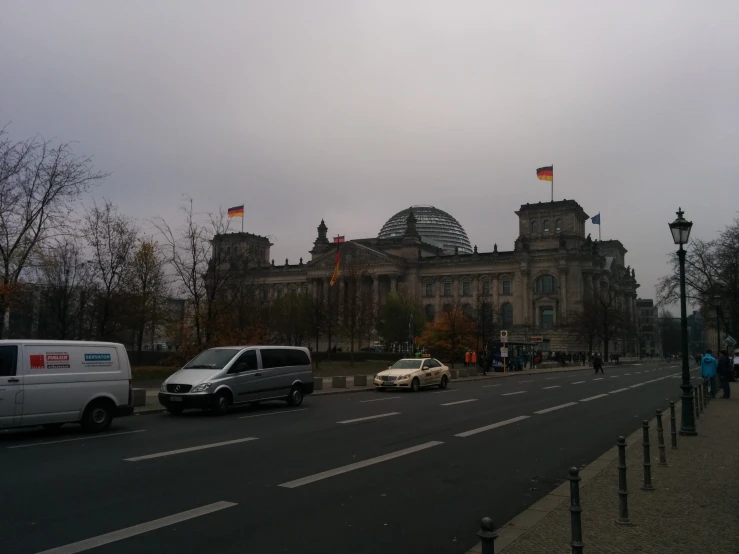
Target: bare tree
{"x": 39, "y": 183}
{"x": 63, "y": 272}
{"x": 356, "y": 310}
{"x": 145, "y": 290}
{"x": 112, "y": 238}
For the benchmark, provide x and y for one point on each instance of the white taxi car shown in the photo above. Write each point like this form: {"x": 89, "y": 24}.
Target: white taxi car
{"x": 414, "y": 373}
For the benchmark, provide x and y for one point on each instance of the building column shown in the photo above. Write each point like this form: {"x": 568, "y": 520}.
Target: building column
{"x": 376, "y": 290}
{"x": 495, "y": 286}
{"x": 475, "y": 285}
{"x": 394, "y": 283}
{"x": 562, "y": 297}
{"x": 525, "y": 299}
{"x": 438, "y": 285}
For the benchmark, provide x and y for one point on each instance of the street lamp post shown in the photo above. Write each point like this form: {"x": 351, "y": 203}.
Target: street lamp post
{"x": 680, "y": 229}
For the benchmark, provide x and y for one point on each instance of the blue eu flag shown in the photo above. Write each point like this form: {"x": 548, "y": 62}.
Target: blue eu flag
{"x": 596, "y": 219}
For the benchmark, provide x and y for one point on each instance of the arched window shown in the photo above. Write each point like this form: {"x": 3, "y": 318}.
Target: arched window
{"x": 546, "y": 284}
{"x": 429, "y": 311}
{"x": 545, "y": 226}
{"x": 558, "y": 225}
{"x": 467, "y": 311}
{"x": 534, "y": 226}
{"x": 466, "y": 288}
{"x": 506, "y": 315}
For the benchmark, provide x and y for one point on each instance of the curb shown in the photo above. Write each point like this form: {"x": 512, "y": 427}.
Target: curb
{"x": 531, "y": 516}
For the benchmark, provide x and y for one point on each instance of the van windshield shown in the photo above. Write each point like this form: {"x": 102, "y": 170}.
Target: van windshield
{"x": 216, "y": 358}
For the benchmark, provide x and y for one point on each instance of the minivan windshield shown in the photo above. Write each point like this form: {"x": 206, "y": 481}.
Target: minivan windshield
{"x": 407, "y": 364}
{"x": 216, "y": 358}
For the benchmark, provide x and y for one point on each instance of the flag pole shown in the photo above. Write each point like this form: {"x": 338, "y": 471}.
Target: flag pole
{"x": 243, "y": 215}
{"x": 599, "y": 239}
{"x": 552, "y": 182}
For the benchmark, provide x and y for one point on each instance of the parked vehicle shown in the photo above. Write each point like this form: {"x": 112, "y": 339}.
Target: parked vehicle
{"x": 414, "y": 373}
{"x": 51, "y": 383}
{"x": 219, "y": 378}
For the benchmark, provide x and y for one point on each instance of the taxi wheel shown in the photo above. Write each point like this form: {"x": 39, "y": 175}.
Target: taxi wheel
{"x": 444, "y": 382}
{"x": 415, "y": 385}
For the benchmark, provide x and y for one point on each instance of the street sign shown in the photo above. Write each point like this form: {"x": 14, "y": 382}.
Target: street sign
{"x": 503, "y": 352}
{"x": 503, "y": 336}
{"x": 729, "y": 341}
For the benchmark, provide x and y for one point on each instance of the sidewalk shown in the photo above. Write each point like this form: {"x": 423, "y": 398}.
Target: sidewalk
{"x": 153, "y": 406}
{"x": 694, "y": 507}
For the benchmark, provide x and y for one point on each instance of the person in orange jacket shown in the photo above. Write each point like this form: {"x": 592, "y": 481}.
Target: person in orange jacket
{"x": 467, "y": 358}
{"x": 473, "y": 359}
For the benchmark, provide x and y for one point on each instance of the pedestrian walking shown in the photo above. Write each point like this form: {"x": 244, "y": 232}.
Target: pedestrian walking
{"x": 708, "y": 370}
{"x": 467, "y": 358}
{"x": 473, "y": 358}
{"x": 598, "y": 363}
{"x": 725, "y": 372}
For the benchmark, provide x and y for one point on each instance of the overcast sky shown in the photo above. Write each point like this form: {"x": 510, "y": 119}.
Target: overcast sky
{"x": 353, "y": 110}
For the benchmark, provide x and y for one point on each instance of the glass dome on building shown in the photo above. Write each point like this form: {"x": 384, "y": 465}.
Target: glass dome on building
{"x": 435, "y": 226}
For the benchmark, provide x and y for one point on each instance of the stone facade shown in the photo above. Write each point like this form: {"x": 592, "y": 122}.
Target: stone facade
{"x": 532, "y": 289}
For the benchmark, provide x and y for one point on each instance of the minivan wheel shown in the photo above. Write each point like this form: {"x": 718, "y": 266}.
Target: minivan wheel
{"x": 175, "y": 410}
{"x": 222, "y": 403}
{"x": 295, "y": 398}
{"x": 444, "y": 382}
{"x": 98, "y": 416}
{"x": 415, "y": 385}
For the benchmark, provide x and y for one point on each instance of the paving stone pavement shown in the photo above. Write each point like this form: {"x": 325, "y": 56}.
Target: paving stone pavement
{"x": 693, "y": 509}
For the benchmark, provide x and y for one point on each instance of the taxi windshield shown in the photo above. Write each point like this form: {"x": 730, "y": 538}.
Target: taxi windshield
{"x": 407, "y": 364}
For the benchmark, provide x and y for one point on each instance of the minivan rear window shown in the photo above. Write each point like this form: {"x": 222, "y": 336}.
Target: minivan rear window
{"x": 216, "y": 358}
{"x": 283, "y": 357}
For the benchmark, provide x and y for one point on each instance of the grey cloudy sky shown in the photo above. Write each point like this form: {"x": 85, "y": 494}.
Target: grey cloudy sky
{"x": 354, "y": 110}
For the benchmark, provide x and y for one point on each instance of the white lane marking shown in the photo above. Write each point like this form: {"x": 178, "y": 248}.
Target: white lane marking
{"x": 492, "y": 426}
{"x": 139, "y": 529}
{"x": 445, "y": 391}
{"x": 550, "y": 378}
{"x": 637, "y": 372}
{"x": 599, "y": 379}
{"x": 369, "y": 417}
{"x": 614, "y": 376}
{"x": 379, "y": 399}
{"x": 522, "y": 382}
{"x": 618, "y": 390}
{"x": 460, "y": 402}
{"x": 76, "y": 439}
{"x": 552, "y": 387}
{"x": 578, "y": 382}
{"x": 637, "y": 385}
{"x": 547, "y": 410}
{"x": 274, "y": 413}
{"x": 593, "y": 397}
{"x": 512, "y": 393}
{"x": 638, "y": 365}
{"x": 488, "y": 386}
{"x": 358, "y": 465}
{"x": 627, "y": 374}
{"x": 190, "y": 449}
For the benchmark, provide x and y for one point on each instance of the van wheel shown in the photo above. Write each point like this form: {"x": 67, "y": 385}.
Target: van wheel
{"x": 98, "y": 416}
{"x": 444, "y": 382}
{"x": 295, "y": 398}
{"x": 175, "y": 410}
{"x": 222, "y": 403}
{"x": 52, "y": 426}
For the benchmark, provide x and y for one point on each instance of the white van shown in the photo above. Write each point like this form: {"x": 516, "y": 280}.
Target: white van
{"x": 51, "y": 383}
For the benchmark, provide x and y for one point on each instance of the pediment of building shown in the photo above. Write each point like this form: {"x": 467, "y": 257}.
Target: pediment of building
{"x": 352, "y": 254}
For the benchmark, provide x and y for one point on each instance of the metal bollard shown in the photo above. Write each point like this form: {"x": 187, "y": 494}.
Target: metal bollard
{"x": 701, "y": 396}
{"x": 487, "y": 535}
{"x": 696, "y": 402}
{"x": 661, "y": 440}
{"x": 623, "y": 493}
{"x": 673, "y": 424}
{"x": 575, "y": 511}
{"x": 647, "y": 485}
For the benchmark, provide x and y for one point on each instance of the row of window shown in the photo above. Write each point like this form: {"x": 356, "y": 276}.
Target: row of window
{"x": 546, "y": 314}
{"x": 544, "y": 284}
{"x": 545, "y": 226}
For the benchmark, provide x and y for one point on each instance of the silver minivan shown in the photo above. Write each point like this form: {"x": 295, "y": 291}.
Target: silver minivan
{"x": 219, "y": 378}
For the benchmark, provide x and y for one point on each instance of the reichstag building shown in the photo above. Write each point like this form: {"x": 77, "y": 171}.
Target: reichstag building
{"x": 424, "y": 252}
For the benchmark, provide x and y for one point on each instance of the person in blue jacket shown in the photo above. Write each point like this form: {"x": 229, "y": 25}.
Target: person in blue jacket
{"x": 708, "y": 370}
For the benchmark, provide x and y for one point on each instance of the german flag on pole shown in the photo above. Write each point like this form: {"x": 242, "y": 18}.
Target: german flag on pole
{"x": 236, "y": 211}
{"x": 545, "y": 173}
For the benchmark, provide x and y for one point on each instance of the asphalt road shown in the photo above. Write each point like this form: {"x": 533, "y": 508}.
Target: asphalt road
{"x": 364, "y": 473}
